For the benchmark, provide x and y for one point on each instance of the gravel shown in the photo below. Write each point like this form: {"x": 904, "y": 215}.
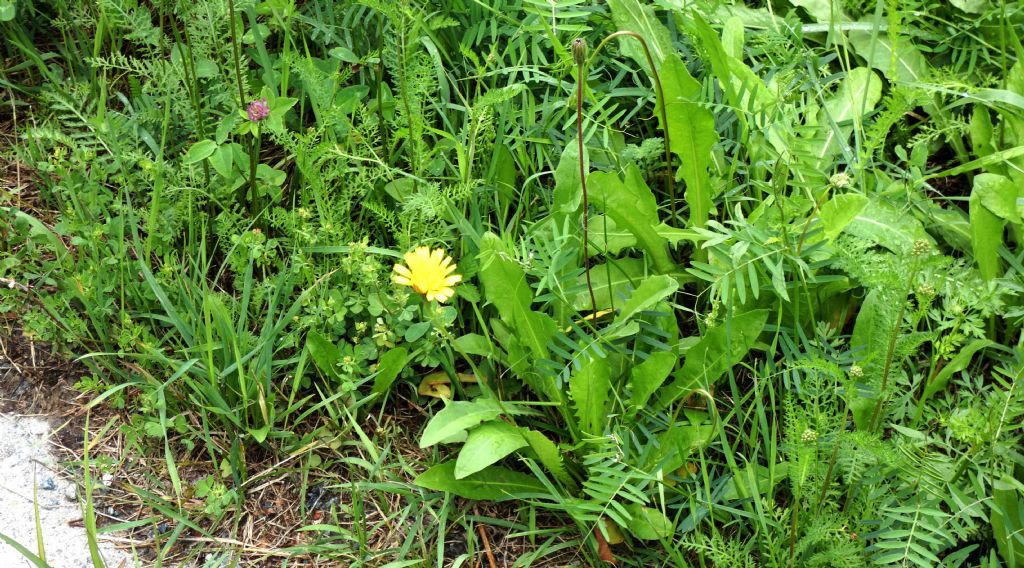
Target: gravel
{"x": 25, "y": 456}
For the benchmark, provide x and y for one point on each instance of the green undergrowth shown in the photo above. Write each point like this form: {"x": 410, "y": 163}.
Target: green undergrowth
{"x": 740, "y": 284}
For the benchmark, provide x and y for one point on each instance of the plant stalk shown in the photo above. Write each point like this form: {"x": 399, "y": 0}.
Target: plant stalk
{"x": 581, "y": 67}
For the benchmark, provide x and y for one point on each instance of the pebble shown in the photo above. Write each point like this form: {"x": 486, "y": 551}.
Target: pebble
{"x": 48, "y": 484}
{"x": 71, "y": 493}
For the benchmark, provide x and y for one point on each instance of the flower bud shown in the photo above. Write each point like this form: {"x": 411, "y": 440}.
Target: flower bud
{"x": 579, "y": 51}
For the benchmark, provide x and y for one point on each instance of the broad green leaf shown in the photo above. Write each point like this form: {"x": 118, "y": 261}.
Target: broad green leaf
{"x": 952, "y": 224}
{"x": 954, "y": 365}
{"x": 1008, "y": 520}
{"x": 717, "y": 351}
{"x": 743, "y": 88}
{"x": 971, "y": 6}
{"x": 487, "y": 443}
{"x": 548, "y": 454}
{"x": 324, "y": 353}
{"x": 633, "y": 16}
{"x": 223, "y": 160}
{"x": 199, "y": 151}
{"x": 823, "y": 11}
{"x": 343, "y": 54}
{"x": 590, "y": 388}
{"x": 648, "y": 523}
{"x": 506, "y": 287}
{"x": 568, "y": 195}
{"x": 732, "y": 37}
{"x": 652, "y": 291}
{"x": 417, "y": 330}
{"x": 494, "y": 483}
{"x": 632, "y": 206}
{"x": 388, "y": 368}
{"x": 870, "y": 340}
{"x": 458, "y": 416}
{"x": 607, "y": 237}
{"x": 677, "y": 443}
{"x": 612, "y": 283}
{"x": 839, "y": 211}
{"x": 691, "y": 135}
{"x": 271, "y": 175}
{"x": 884, "y": 225}
{"x": 8, "y": 10}
{"x": 647, "y": 377}
{"x": 900, "y": 63}
{"x": 752, "y": 18}
{"x": 474, "y": 344}
{"x": 857, "y": 95}
{"x": 998, "y": 194}
{"x": 986, "y": 232}
{"x": 981, "y": 131}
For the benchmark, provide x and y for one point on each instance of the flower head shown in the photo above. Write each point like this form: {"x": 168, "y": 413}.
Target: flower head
{"x": 428, "y": 272}
{"x": 258, "y": 110}
{"x": 579, "y": 51}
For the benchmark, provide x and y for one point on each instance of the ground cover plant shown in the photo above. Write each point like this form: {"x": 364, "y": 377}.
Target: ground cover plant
{"x": 529, "y": 283}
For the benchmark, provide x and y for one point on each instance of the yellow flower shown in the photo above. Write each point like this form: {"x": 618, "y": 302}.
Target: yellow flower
{"x": 429, "y": 272}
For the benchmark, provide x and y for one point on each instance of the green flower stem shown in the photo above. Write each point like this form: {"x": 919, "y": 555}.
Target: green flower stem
{"x": 234, "y": 48}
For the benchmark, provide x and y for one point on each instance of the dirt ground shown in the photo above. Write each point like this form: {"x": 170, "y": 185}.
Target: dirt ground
{"x": 36, "y": 418}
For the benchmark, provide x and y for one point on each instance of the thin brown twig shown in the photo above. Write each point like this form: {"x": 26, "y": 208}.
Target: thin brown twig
{"x": 487, "y": 543}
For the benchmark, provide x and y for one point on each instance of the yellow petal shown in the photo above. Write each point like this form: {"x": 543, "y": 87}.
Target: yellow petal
{"x": 403, "y": 270}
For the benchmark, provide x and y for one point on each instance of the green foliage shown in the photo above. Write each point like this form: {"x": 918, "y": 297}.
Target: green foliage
{"x": 796, "y": 343}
